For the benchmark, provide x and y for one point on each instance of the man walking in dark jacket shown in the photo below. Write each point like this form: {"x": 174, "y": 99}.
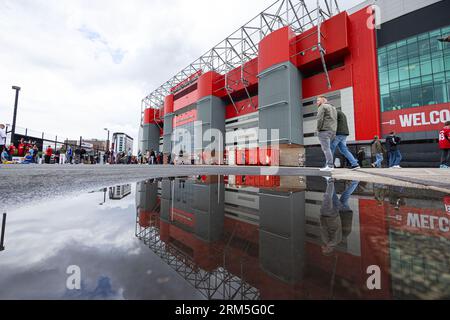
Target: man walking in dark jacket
{"x": 395, "y": 157}
{"x": 341, "y": 140}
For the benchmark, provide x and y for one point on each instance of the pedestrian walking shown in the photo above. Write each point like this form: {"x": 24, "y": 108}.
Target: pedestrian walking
{"x": 326, "y": 128}
{"x": 57, "y": 156}
{"x": 377, "y": 150}
{"x": 340, "y": 141}
{"x": 130, "y": 154}
{"x": 394, "y": 154}
{"x": 35, "y": 153}
{"x": 48, "y": 154}
{"x": 69, "y": 155}
{"x": 444, "y": 145}
{"x": 152, "y": 156}
{"x": 2, "y": 137}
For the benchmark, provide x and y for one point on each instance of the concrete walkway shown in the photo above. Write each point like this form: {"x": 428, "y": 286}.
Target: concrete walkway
{"x": 26, "y": 183}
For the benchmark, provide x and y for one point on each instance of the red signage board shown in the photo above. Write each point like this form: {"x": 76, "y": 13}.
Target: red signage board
{"x": 428, "y": 118}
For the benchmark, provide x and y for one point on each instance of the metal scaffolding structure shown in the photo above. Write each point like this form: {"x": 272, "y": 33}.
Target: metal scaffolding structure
{"x": 242, "y": 45}
{"x": 218, "y": 284}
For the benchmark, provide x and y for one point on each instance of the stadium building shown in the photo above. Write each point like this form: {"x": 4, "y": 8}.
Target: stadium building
{"x": 386, "y": 64}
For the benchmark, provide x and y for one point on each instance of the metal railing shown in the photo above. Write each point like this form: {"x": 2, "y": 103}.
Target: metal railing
{"x": 45, "y": 138}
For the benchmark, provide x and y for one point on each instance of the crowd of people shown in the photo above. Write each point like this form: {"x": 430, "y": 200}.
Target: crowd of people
{"x": 332, "y": 128}
{"x": 333, "y": 131}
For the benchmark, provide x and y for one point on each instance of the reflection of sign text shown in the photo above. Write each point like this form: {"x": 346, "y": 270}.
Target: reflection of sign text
{"x": 428, "y": 222}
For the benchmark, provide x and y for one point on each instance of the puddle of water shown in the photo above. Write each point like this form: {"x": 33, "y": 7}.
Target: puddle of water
{"x": 232, "y": 237}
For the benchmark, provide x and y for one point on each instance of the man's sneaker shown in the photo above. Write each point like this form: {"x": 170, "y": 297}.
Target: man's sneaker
{"x": 327, "y": 169}
{"x": 397, "y": 167}
{"x": 443, "y": 166}
{"x": 356, "y": 167}
{"x": 373, "y": 165}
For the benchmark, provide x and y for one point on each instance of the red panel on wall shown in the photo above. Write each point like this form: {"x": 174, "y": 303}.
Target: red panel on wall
{"x": 185, "y": 118}
{"x": 243, "y": 107}
{"x": 428, "y": 118}
{"x": 169, "y": 104}
{"x": 186, "y": 100}
{"x": 335, "y": 42}
{"x": 366, "y": 91}
{"x": 340, "y": 78}
{"x": 151, "y": 116}
{"x": 210, "y": 84}
{"x": 276, "y": 48}
{"x": 249, "y": 73}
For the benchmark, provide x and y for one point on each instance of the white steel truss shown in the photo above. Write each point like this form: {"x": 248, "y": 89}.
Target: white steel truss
{"x": 242, "y": 45}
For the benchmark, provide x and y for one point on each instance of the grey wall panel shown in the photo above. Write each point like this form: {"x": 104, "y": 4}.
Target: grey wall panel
{"x": 166, "y": 199}
{"x": 209, "y": 209}
{"x": 148, "y": 195}
{"x": 168, "y": 129}
{"x": 282, "y": 234}
{"x": 151, "y": 135}
{"x": 211, "y": 112}
{"x": 280, "y": 99}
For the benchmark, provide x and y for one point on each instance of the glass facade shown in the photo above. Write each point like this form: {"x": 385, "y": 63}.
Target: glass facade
{"x": 415, "y": 72}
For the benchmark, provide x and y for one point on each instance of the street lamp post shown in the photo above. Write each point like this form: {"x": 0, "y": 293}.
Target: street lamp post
{"x": 107, "y": 144}
{"x": 13, "y": 130}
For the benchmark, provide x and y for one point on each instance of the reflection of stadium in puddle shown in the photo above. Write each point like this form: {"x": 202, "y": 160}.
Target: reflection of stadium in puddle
{"x": 264, "y": 237}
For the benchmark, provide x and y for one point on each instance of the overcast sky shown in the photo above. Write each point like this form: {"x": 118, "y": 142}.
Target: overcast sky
{"x": 84, "y": 65}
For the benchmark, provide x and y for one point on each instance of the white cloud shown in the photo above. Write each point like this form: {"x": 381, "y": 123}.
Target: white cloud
{"x": 85, "y": 65}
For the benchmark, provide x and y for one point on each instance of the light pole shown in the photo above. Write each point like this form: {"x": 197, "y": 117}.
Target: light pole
{"x": 107, "y": 144}
{"x": 13, "y": 130}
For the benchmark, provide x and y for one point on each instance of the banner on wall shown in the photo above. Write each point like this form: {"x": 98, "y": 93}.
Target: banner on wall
{"x": 428, "y": 118}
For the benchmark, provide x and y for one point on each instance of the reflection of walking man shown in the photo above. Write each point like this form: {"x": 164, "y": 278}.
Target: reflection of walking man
{"x": 336, "y": 216}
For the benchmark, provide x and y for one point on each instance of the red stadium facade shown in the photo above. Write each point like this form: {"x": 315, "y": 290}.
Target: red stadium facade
{"x": 272, "y": 85}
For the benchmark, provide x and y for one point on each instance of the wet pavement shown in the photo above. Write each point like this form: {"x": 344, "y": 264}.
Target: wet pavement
{"x": 231, "y": 237}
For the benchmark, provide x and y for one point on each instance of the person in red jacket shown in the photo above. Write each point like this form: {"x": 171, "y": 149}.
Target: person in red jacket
{"x": 444, "y": 145}
{"x": 12, "y": 150}
{"x": 21, "y": 148}
{"x": 48, "y": 154}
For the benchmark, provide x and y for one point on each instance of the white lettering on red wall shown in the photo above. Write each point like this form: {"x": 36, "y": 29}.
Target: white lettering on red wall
{"x": 428, "y": 118}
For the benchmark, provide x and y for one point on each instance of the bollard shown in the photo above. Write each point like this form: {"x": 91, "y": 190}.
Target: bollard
{"x": 2, "y": 247}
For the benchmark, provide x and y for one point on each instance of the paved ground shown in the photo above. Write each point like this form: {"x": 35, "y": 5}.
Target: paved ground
{"x": 27, "y": 184}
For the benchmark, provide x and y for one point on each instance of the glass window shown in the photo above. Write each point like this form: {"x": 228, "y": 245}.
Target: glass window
{"x": 436, "y": 48}
{"x": 404, "y": 73}
{"x": 405, "y": 97}
{"x": 393, "y": 75}
{"x": 424, "y": 47}
{"x": 428, "y": 93}
{"x": 425, "y": 68}
{"x": 392, "y": 56}
{"x": 416, "y": 96}
{"x": 402, "y": 53}
{"x": 382, "y": 59}
{"x": 413, "y": 50}
{"x": 447, "y": 63}
{"x": 440, "y": 88}
{"x": 384, "y": 78}
{"x": 438, "y": 65}
{"x": 415, "y": 71}
{"x": 396, "y": 100}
